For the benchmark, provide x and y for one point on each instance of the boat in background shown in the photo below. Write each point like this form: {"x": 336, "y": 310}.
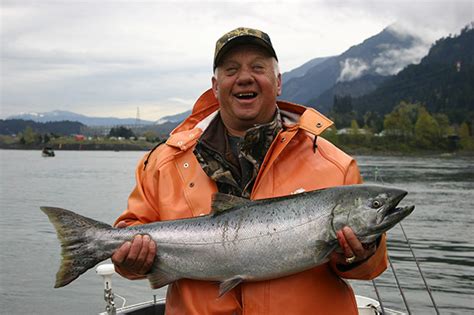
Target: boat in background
{"x": 47, "y": 152}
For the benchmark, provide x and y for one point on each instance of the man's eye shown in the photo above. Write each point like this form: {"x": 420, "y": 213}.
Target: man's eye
{"x": 231, "y": 70}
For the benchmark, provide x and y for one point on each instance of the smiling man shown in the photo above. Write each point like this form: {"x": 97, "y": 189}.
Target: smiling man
{"x": 246, "y": 83}
{"x": 240, "y": 140}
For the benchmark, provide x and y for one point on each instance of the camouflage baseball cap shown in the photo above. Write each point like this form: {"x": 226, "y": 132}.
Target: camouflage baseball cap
{"x": 239, "y": 36}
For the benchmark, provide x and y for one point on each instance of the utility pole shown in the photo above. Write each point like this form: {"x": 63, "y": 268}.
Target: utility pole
{"x": 137, "y": 120}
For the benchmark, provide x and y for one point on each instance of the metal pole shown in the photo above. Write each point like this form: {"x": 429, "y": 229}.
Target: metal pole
{"x": 399, "y": 287}
{"x": 378, "y": 297}
{"x": 419, "y": 269}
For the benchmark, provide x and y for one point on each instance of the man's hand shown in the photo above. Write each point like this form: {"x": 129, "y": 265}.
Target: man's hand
{"x": 353, "y": 250}
{"x": 137, "y": 256}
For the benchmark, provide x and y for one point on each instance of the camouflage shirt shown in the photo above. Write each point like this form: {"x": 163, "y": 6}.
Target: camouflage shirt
{"x": 233, "y": 162}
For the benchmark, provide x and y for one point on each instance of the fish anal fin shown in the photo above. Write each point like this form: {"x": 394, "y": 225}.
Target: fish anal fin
{"x": 222, "y": 202}
{"x": 229, "y": 284}
{"x": 159, "y": 279}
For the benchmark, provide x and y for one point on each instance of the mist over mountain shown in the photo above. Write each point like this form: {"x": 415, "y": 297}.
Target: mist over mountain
{"x": 379, "y": 56}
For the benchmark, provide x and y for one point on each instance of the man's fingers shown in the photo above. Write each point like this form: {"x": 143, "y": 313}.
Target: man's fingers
{"x": 135, "y": 249}
{"x": 120, "y": 254}
{"x": 141, "y": 258}
{"x": 355, "y": 246}
{"x": 343, "y": 243}
{"x": 136, "y": 256}
{"x": 121, "y": 225}
{"x": 149, "y": 259}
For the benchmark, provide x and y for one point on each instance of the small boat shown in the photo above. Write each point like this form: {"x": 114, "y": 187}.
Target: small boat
{"x": 365, "y": 305}
{"x": 47, "y": 152}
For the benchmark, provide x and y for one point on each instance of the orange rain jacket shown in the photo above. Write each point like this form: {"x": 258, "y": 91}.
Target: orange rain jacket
{"x": 173, "y": 186}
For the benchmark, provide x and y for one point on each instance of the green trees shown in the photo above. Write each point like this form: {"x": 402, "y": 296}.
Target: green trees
{"x": 400, "y": 122}
{"x": 409, "y": 127}
{"x": 465, "y": 138}
{"x": 427, "y": 132}
{"x": 121, "y": 132}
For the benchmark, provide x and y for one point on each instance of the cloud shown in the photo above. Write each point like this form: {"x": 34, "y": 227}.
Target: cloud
{"x": 392, "y": 61}
{"x": 108, "y": 57}
{"x": 352, "y": 68}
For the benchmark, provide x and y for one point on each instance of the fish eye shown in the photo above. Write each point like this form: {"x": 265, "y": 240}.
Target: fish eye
{"x": 376, "y": 204}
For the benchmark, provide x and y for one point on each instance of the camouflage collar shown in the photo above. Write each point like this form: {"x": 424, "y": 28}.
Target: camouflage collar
{"x": 234, "y": 163}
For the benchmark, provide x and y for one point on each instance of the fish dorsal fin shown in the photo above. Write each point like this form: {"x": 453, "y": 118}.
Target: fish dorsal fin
{"x": 229, "y": 284}
{"x": 222, "y": 202}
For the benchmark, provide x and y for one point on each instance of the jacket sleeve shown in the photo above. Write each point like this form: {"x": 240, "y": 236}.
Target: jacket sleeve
{"x": 142, "y": 207}
{"x": 375, "y": 264}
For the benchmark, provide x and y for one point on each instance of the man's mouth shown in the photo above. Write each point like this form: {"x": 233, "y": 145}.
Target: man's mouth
{"x": 246, "y": 95}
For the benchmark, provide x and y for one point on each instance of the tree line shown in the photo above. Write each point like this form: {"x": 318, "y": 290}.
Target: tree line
{"x": 409, "y": 127}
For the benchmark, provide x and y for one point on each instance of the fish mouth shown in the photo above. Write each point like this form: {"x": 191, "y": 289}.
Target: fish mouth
{"x": 395, "y": 215}
{"x": 391, "y": 214}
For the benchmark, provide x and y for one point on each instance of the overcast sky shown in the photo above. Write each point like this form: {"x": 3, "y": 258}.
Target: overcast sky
{"x": 106, "y": 58}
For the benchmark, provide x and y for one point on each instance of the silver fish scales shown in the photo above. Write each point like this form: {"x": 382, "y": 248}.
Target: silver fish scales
{"x": 241, "y": 240}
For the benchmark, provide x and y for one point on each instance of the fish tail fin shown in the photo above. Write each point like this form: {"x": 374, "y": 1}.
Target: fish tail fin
{"x": 75, "y": 233}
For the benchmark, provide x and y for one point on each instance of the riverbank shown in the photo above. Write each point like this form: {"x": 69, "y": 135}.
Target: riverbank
{"x": 149, "y": 146}
{"x": 83, "y": 146}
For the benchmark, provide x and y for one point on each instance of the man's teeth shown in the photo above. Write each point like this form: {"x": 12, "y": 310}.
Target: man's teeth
{"x": 246, "y": 95}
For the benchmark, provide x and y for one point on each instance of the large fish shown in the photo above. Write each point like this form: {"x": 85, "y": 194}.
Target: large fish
{"x": 240, "y": 240}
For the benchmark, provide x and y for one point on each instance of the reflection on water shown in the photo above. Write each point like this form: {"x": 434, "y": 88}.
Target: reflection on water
{"x": 440, "y": 231}
{"x": 97, "y": 184}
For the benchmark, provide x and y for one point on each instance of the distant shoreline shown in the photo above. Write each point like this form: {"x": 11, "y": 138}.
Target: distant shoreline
{"x": 148, "y": 146}
{"x": 80, "y": 146}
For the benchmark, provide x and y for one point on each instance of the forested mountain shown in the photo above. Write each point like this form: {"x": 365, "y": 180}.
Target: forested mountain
{"x": 355, "y": 88}
{"x": 61, "y": 128}
{"x": 443, "y": 82}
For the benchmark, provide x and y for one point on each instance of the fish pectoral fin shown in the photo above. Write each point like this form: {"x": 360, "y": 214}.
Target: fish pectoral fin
{"x": 323, "y": 249}
{"x": 159, "y": 279}
{"x": 229, "y": 284}
{"x": 222, "y": 202}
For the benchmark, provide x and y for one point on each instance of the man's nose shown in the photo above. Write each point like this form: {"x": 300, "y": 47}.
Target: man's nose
{"x": 245, "y": 77}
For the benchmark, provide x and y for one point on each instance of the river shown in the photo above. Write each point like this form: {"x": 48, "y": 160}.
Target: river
{"x": 97, "y": 184}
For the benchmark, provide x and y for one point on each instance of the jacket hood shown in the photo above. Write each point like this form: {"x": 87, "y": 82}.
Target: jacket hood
{"x": 206, "y": 107}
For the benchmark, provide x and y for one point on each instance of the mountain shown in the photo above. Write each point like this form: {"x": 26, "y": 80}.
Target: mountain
{"x": 381, "y": 55}
{"x": 301, "y": 70}
{"x": 173, "y": 118}
{"x": 62, "y": 128}
{"x": 58, "y": 115}
{"x": 443, "y": 82}
{"x": 355, "y": 88}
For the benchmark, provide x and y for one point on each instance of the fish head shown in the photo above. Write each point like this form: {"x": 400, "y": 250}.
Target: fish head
{"x": 371, "y": 210}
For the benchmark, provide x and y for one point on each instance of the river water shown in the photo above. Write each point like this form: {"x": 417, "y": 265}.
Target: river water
{"x": 97, "y": 184}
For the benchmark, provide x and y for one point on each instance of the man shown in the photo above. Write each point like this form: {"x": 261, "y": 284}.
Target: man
{"x": 240, "y": 140}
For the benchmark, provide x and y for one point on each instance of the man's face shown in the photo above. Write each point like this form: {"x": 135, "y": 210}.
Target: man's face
{"x": 246, "y": 85}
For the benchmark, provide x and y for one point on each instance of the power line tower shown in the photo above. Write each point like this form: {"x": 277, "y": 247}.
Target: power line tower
{"x": 137, "y": 119}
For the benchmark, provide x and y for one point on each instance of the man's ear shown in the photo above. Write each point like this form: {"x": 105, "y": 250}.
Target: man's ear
{"x": 214, "y": 85}
{"x": 279, "y": 84}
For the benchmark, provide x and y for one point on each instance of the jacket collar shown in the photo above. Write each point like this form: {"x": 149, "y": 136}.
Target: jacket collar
{"x": 186, "y": 134}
